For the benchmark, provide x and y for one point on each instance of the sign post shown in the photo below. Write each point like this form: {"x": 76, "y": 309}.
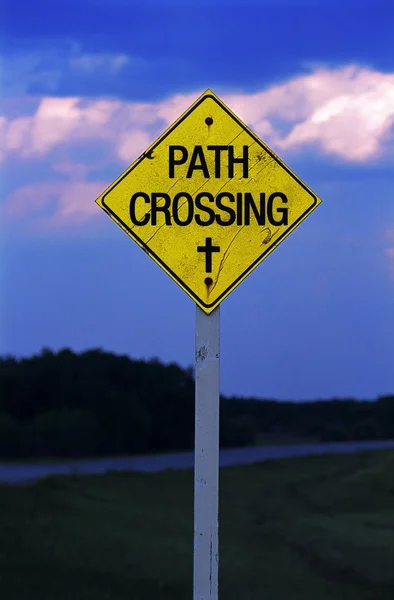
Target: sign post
{"x": 208, "y": 201}
{"x": 206, "y": 457}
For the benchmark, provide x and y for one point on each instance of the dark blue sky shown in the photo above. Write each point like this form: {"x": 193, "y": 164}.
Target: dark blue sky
{"x": 181, "y": 46}
{"x": 316, "y": 319}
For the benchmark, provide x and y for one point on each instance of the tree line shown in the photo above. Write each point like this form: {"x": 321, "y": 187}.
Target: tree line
{"x": 95, "y": 403}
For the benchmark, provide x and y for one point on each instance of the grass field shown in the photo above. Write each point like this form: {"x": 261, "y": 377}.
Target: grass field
{"x": 314, "y": 528}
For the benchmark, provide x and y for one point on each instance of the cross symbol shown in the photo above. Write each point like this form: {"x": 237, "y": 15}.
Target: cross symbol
{"x": 208, "y": 249}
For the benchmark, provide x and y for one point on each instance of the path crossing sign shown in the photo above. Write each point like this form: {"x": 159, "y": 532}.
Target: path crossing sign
{"x": 208, "y": 201}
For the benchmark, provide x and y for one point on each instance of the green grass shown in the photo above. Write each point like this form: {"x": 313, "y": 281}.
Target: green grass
{"x": 318, "y": 528}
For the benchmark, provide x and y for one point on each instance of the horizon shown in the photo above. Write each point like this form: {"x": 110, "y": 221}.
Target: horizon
{"x": 46, "y": 350}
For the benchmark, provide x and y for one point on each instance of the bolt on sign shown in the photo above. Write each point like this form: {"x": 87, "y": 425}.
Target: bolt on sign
{"x": 208, "y": 201}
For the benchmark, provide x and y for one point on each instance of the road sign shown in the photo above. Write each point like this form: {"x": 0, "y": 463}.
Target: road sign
{"x": 208, "y": 201}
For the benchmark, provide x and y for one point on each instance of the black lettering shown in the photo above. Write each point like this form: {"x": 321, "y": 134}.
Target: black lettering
{"x": 224, "y": 209}
{"x": 206, "y": 209}
{"x": 197, "y": 154}
{"x": 244, "y": 161}
{"x": 250, "y": 203}
{"x": 133, "y": 200}
{"x": 239, "y": 208}
{"x": 217, "y": 150}
{"x": 165, "y": 208}
{"x": 282, "y": 211}
{"x": 171, "y": 159}
{"x": 176, "y": 207}
{"x": 227, "y": 209}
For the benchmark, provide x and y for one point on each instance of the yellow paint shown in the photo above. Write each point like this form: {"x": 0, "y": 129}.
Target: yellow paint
{"x": 243, "y": 244}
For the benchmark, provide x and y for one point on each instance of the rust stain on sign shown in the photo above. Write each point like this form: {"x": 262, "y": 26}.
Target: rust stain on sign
{"x": 202, "y": 353}
{"x": 267, "y": 236}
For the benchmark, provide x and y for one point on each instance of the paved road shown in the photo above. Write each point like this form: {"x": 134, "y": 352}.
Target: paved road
{"x": 21, "y": 474}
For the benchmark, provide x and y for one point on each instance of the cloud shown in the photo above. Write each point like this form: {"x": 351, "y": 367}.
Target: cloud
{"x": 73, "y": 169}
{"x": 22, "y": 72}
{"x": 346, "y": 112}
{"x": 46, "y": 68}
{"x": 97, "y": 61}
{"x": 59, "y": 122}
{"x": 94, "y": 62}
{"x": 54, "y": 204}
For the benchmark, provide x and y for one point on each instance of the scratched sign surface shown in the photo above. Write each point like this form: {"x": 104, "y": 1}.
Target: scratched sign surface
{"x": 208, "y": 201}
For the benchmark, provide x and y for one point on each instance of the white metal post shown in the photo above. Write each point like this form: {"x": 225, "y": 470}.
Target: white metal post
{"x": 206, "y": 457}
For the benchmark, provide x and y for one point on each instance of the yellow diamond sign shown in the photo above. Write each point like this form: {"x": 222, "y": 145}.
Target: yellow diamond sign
{"x": 208, "y": 201}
